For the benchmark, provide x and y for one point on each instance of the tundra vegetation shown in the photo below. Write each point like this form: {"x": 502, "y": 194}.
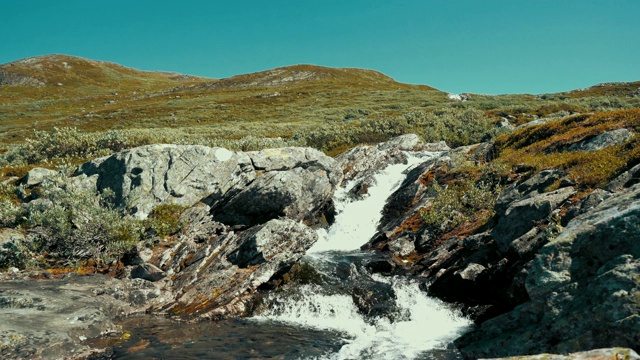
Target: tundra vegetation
{"x": 57, "y": 112}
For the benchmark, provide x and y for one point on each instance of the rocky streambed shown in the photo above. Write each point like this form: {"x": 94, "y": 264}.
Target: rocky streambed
{"x": 554, "y": 270}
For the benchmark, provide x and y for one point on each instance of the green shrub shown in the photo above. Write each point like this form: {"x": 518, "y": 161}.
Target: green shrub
{"x": 77, "y": 225}
{"x": 165, "y": 219}
{"x": 455, "y": 204}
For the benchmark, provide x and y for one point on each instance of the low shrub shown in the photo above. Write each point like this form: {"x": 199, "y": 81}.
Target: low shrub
{"x": 165, "y": 219}
{"x": 75, "y": 225}
{"x": 455, "y": 204}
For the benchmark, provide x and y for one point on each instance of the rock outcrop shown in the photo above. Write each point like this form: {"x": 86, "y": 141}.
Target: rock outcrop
{"x": 144, "y": 177}
{"x": 582, "y": 286}
{"x": 296, "y": 183}
{"x": 214, "y": 272}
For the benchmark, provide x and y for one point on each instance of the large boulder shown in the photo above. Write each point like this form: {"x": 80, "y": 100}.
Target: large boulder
{"x": 584, "y": 288}
{"x": 521, "y": 216}
{"x": 144, "y": 177}
{"x": 295, "y": 183}
{"x": 602, "y": 141}
{"x": 216, "y": 274}
{"x": 588, "y": 242}
{"x": 37, "y": 176}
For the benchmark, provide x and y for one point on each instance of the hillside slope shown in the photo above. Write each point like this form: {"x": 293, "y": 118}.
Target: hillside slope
{"x": 58, "y": 91}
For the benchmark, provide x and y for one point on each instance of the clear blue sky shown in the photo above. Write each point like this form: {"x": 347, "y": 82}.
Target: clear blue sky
{"x": 480, "y": 46}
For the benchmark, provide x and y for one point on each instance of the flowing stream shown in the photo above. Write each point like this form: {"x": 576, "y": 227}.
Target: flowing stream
{"x": 342, "y": 312}
{"x": 408, "y": 325}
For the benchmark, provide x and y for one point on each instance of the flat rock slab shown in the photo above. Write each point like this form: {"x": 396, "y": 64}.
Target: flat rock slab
{"x": 53, "y": 318}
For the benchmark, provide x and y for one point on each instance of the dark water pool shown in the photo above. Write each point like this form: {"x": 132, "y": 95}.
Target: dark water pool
{"x": 148, "y": 337}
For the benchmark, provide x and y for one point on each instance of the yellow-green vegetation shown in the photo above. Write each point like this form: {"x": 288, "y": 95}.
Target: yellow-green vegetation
{"x": 458, "y": 203}
{"x": 70, "y": 226}
{"x": 165, "y": 219}
{"x": 545, "y": 146}
{"x": 57, "y": 111}
{"x": 331, "y": 109}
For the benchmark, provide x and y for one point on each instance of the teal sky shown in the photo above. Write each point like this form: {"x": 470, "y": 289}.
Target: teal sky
{"x": 479, "y": 46}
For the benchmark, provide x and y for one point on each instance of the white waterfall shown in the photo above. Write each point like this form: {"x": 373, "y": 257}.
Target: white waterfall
{"x": 356, "y": 221}
{"x": 425, "y": 323}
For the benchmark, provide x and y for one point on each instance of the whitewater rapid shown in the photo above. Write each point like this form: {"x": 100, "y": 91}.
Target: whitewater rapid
{"x": 424, "y": 324}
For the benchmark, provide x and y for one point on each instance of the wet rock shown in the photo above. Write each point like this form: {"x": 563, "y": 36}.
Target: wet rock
{"x": 409, "y": 198}
{"x": 402, "y": 246}
{"x": 12, "y": 252}
{"x": 362, "y": 161}
{"x": 366, "y": 160}
{"x": 603, "y": 141}
{"x": 375, "y": 299}
{"x": 52, "y": 318}
{"x": 361, "y": 189}
{"x": 144, "y": 177}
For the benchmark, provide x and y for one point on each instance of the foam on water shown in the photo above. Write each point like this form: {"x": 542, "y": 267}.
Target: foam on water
{"x": 356, "y": 221}
{"x": 426, "y": 324}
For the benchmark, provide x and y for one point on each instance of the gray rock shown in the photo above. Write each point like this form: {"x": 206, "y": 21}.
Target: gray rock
{"x": 407, "y": 142}
{"x": 12, "y": 249}
{"x": 52, "y": 318}
{"x": 147, "y": 272}
{"x": 180, "y": 174}
{"x": 598, "y": 354}
{"x": 528, "y": 244}
{"x": 365, "y": 160}
{"x": 625, "y": 180}
{"x": 360, "y": 190}
{"x": 594, "y": 313}
{"x": 294, "y": 157}
{"x": 506, "y": 125}
{"x": 592, "y": 200}
{"x": 590, "y": 240}
{"x": 37, "y": 176}
{"x": 402, "y": 246}
{"x": 362, "y": 161}
{"x": 533, "y": 186}
{"x": 299, "y": 194}
{"x": 603, "y": 141}
{"x": 583, "y": 286}
{"x": 218, "y": 278}
{"x": 82, "y": 182}
{"x": 471, "y": 272}
{"x": 521, "y": 216}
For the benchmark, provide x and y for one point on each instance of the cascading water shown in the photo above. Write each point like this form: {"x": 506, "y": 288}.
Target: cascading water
{"x": 410, "y": 326}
